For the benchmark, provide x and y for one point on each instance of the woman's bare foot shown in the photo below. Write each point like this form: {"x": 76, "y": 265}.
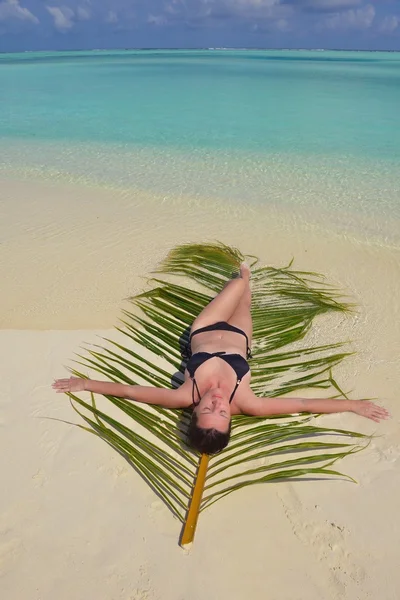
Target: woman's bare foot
{"x": 245, "y": 271}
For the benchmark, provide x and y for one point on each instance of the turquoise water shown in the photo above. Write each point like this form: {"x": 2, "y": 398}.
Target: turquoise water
{"x": 283, "y": 127}
{"x": 300, "y": 102}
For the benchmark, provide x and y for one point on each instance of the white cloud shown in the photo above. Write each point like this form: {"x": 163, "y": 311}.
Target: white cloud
{"x": 327, "y": 5}
{"x": 11, "y": 9}
{"x": 361, "y": 18}
{"x": 83, "y": 14}
{"x": 283, "y": 25}
{"x": 157, "y": 20}
{"x": 252, "y": 4}
{"x": 389, "y": 24}
{"x": 111, "y": 17}
{"x": 63, "y": 17}
{"x": 242, "y": 7}
{"x": 201, "y": 10}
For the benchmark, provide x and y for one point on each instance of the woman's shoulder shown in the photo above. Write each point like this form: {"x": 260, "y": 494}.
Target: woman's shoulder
{"x": 184, "y": 393}
{"x": 243, "y": 392}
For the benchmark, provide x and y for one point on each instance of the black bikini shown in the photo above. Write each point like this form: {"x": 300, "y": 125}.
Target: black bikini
{"x": 236, "y": 361}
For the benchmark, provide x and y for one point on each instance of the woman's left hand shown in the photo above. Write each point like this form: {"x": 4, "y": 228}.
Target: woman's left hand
{"x": 368, "y": 409}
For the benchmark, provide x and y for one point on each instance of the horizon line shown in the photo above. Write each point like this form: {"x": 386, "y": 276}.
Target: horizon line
{"x": 205, "y": 48}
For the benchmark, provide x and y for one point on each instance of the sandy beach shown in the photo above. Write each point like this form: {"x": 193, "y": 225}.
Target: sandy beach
{"x": 75, "y": 521}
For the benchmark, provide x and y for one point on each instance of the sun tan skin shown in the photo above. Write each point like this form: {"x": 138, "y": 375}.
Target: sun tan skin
{"x": 216, "y": 379}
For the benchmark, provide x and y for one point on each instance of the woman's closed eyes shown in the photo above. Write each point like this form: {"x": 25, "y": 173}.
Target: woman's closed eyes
{"x": 207, "y": 410}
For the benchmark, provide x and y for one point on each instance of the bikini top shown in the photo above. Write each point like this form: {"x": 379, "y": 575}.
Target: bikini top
{"x": 236, "y": 361}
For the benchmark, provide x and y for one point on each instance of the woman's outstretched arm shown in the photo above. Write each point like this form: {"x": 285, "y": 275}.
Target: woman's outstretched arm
{"x": 150, "y": 395}
{"x": 264, "y": 407}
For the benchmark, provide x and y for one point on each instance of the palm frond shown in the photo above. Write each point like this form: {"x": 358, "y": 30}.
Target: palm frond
{"x": 285, "y": 303}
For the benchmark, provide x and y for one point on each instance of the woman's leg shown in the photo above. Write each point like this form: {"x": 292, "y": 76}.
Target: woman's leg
{"x": 223, "y": 306}
{"x": 241, "y": 318}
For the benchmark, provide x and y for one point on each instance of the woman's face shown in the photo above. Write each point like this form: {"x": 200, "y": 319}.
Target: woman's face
{"x": 213, "y": 411}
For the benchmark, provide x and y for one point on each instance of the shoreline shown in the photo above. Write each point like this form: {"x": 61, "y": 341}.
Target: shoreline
{"x": 360, "y": 195}
{"x": 82, "y": 251}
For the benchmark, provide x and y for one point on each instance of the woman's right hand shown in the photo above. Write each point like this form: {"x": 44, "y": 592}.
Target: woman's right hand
{"x": 72, "y": 384}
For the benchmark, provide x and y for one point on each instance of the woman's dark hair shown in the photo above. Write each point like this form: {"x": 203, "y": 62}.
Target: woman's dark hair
{"x": 207, "y": 441}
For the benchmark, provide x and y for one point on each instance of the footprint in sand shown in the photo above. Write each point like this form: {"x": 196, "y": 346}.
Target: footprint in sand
{"x": 144, "y": 591}
{"x": 389, "y": 454}
{"x": 39, "y": 478}
{"x": 142, "y": 594}
{"x": 326, "y": 539}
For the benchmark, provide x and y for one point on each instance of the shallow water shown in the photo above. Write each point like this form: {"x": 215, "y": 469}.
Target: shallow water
{"x": 311, "y": 132}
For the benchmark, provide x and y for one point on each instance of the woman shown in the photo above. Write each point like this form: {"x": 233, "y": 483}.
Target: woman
{"x": 217, "y": 376}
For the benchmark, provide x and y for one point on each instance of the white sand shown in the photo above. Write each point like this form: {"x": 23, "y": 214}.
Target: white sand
{"x": 76, "y": 522}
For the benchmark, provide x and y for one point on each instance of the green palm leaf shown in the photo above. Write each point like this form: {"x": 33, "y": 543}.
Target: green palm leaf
{"x": 285, "y": 303}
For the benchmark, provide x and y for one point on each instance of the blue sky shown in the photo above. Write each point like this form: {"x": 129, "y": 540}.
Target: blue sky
{"x": 75, "y": 24}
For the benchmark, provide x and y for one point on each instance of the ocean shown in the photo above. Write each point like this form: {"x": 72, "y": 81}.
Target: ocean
{"x": 315, "y": 131}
